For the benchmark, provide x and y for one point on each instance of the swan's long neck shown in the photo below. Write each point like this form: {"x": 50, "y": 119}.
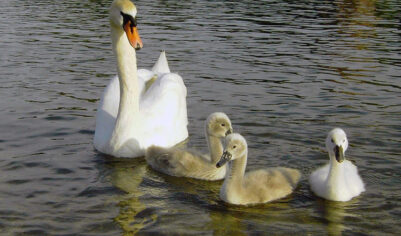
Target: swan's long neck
{"x": 236, "y": 173}
{"x": 335, "y": 175}
{"x": 215, "y": 148}
{"x": 129, "y": 89}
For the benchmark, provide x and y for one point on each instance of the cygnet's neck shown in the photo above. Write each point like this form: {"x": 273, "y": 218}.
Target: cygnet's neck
{"x": 215, "y": 148}
{"x": 236, "y": 173}
{"x": 335, "y": 175}
{"x": 127, "y": 75}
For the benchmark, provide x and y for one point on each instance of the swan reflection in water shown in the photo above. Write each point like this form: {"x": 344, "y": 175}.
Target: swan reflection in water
{"x": 127, "y": 176}
{"x": 335, "y": 213}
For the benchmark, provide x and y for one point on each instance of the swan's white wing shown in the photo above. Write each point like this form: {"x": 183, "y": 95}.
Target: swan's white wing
{"x": 106, "y": 114}
{"x": 144, "y": 76}
{"x": 164, "y": 110}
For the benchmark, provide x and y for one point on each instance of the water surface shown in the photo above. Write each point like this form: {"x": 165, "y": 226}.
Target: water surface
{"x": 286, "y": 72}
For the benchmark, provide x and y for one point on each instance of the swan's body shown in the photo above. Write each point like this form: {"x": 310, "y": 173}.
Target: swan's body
{"x": 139, "y": 108}
{"x": 259, "y": 186}
{"x": 184, "y": 163}
{"x": 339, "y": 180}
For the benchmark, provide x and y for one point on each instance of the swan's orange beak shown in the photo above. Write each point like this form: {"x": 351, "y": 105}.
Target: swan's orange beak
{"x": 133, "y": 35}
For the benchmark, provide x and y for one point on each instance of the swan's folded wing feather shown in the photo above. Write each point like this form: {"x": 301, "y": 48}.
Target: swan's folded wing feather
{"x": 165, "y": 103}
{"x": 106, "y": 114}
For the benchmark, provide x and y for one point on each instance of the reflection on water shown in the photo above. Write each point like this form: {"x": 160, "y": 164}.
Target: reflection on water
{"x": 336, "y": 213}
{"x": 131, "y": 217}
{"x": 222, "y": 222}
{"x": 286, "y": 72}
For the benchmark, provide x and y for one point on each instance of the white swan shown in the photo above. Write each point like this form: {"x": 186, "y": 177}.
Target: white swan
{"x": 184, "y": 163}
{"x": 130, "y": 116}
{"x": 259, "y": 186}
{"x": 339, "y": 179}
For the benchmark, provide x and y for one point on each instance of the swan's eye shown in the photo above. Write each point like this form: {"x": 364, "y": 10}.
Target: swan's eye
{"x": 128, "y": 17}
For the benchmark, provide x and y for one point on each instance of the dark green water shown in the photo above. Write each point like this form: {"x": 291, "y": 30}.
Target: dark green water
{"x": 286, "y": 72}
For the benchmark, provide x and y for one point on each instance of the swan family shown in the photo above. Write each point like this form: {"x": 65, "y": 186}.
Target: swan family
{"x": 144, "y": 113}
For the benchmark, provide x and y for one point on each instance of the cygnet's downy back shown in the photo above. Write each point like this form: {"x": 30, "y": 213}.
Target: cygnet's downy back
{"x": 188, "y": 163}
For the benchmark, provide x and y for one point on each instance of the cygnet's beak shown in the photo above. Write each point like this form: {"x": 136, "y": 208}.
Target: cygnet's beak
{"x": 132, "y": 33}
{"x": 339, "y": 153}
{"x": 230, "y": 131}
{"x": 226, "y": 157}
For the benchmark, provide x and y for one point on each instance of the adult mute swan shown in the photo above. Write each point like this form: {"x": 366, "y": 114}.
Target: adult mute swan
{"x": 339, "y": 179}
{"x": 184, "y": 163}
{"x": 258, "y": 186}
{"x": 134, "y": 113}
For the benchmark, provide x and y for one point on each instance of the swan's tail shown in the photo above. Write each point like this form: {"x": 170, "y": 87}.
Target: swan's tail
{"x": 161, "y": 66}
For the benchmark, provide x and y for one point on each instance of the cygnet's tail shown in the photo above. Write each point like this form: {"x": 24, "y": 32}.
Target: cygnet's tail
{"x": 293, "y": 176}
{"x": 161, "y": 159}
{"x": 157, "y": 156}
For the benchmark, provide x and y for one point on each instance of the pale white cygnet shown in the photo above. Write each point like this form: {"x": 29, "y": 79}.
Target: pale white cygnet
{"x": 186, "y": 163}
{"x": 339, "y": 179}
{"x": 258, "y": 186}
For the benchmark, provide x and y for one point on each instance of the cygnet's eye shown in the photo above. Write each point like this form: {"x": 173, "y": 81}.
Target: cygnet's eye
{"x": 223, "y": 124}
{"x": 234, "y": 147}
{"x": 332, "y": 140}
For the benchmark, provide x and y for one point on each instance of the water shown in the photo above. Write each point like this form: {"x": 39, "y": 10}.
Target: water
{"x": 286, "y": 72}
